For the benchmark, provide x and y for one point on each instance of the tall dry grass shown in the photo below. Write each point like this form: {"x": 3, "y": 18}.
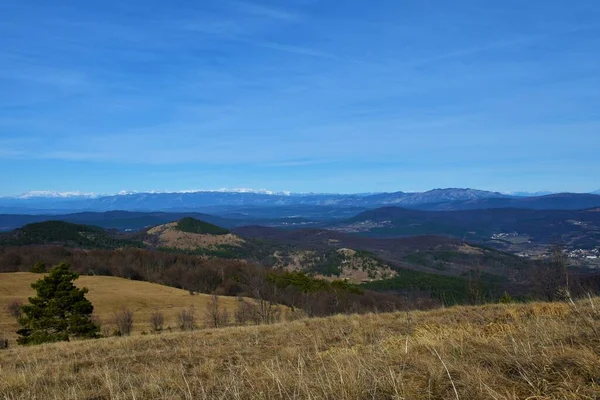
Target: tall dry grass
{"x": 527, "y": 351}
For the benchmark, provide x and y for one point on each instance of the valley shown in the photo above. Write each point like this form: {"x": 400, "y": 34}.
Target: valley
{"x": 320, "y": 200}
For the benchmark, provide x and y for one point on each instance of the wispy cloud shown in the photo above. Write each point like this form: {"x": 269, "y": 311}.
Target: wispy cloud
{"x": 263, "y": 10}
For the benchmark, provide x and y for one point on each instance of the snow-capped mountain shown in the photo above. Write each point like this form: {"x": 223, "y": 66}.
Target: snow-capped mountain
{"x": 206, "y": 200}
{"x": 529, "y": 194}
{"x": 54, "y": 195}
{"x": 197, "y": 199}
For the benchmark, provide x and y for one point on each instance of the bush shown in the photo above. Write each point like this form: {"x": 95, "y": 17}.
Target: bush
{"x": 214, "y": 316}
{"x": 506, "y": 299}
{"x": 157, "y": 321}
{"x": 14, "y": 309}
{"x": 38, "y": 268}
{"x": 3, "y": 343}
{"x": 124, "y": 322}
{"x": 247, "y": 313}
{"x": 187, "y": 319}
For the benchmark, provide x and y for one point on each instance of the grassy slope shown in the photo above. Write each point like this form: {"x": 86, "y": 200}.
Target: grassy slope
{"x": 110, "y": 294}
{"x": 535, "y": 351}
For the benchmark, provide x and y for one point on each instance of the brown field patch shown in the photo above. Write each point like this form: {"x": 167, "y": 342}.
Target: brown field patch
{"x": 111, "y": 294}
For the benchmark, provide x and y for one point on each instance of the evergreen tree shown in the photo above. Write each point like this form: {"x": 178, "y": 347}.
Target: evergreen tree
{"x": 59, "y": 312}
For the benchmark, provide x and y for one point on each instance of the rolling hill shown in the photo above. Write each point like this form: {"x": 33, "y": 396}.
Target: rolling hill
{"x": 319, "y": 253}
{"x": 119, "y": 220}
{"x": 427, "y": 253}
{"x": 502, "y": 228}
{"x": 108, "y": 295}
{"x": 66, "y": 234}
{"x": 558, "y": 201}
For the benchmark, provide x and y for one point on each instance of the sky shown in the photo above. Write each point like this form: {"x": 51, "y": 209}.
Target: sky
{"x": 299, "y": 95}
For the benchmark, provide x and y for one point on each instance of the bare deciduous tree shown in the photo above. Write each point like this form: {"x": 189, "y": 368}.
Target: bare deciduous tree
{"x": 157, "y": 321}
{"x": 264, "y": 294}
{"x": 124, "y": 321}
{"x": 187, "y": 319}
{"x": 214, "y": 316}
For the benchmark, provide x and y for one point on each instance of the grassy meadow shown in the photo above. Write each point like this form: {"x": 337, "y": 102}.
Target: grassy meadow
{"x": 109, "y": 295}
{"x": 513, "y": 351}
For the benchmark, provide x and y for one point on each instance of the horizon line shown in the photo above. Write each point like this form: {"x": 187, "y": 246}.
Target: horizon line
{"x": 32, "y": 194}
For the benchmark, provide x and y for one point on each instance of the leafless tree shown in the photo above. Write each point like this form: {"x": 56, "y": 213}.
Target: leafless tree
{"x": 157, "y": 321}
{"x": 187, "y": 319}
{"x": 264, "y": 295}
{"x": 246, "y": 313}
{"x": 124, "y": 321}
{"x": 214, "y": 316}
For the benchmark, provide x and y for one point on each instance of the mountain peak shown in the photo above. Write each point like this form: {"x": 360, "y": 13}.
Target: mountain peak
{"x": 53, "y": 194}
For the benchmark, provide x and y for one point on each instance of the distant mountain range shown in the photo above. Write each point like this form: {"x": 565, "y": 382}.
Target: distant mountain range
{"x": 227, "y": 201}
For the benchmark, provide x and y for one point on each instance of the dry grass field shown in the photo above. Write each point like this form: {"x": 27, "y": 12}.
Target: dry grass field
{"x": 109, "y": 295}
{"x": 524, "y": 351}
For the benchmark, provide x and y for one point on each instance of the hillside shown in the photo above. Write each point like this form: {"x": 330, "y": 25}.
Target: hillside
{"x": 428, "y": 253}
{"x": 320, "y": 253}
{"x": 67, "y": 234}
{"x": 192, "y": 236}
{"x": 108, "y": 295}
{"x": 119, "y": 220}
{"x": 558, "y": 201}
{"x": 527, "y": 351}
{"x": 516, "y": 230}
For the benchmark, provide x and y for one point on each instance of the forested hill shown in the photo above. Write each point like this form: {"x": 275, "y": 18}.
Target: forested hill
{"x": 66, "y": 234}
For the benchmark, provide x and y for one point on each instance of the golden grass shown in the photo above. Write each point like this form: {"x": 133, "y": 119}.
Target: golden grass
{"x": 108, "y": 295}
{"x": 528, "y": 351}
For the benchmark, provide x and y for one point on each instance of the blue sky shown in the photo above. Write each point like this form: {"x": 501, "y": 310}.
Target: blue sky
{"x": 301, "y": 95}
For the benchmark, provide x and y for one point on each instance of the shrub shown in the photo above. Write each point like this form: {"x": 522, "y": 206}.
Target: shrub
{"x": 3, "y": 343}
{"x": 157, "y": 321}
{"x": 38, "y": 268}
{"x": 14, "y": 309}
{"x": 187, "y": 319}
{"x": 124, "y": 321}
{"x": 105, "y": 330}
{"x": 214, "y": 316}
{"x": 506, "y": 299}
{"x": 247, "y": 313}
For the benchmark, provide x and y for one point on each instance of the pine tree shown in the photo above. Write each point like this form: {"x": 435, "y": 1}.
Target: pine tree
{"x": 59, "y": 312}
